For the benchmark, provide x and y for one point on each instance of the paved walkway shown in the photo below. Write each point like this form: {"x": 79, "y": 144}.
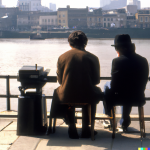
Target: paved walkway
{"x": 60, "y": 140}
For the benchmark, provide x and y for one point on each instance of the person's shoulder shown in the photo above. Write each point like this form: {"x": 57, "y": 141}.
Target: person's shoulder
{"x": 91, "y": 55}
{"x": 120, "y": 59}
{"x": 67, "y": 53}
{"x": 140, "y": 59}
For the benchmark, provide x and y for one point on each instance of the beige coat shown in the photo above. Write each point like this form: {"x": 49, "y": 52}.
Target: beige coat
{"x": 78, "y": 73}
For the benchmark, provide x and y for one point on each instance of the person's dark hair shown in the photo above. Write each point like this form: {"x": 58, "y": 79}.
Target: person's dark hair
{"x": 78, "y": 39}
{"x": 126, "y": 49}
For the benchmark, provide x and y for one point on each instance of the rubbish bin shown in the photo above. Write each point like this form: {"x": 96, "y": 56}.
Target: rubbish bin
{"x": 32, "y": 109}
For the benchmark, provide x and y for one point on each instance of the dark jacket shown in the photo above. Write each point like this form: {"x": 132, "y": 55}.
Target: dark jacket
{"x": 129, "y": 78}
{"x": 78, "y": 73}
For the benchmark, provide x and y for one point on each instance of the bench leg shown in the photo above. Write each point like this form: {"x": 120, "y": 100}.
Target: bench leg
{"x": 49, "y": 130}
{"x": 141, "y": 120}
{"x": 54, "y": 125}
{"x": 92, "y": 121}
{"x": 113, "y": 121}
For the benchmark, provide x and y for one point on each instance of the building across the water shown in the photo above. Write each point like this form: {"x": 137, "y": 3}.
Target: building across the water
{"x": 95, "y": 18}
{"x": 143, "y": 17}
{"x": 32, "y": 5}
{"x": 8, "y": 18}
{"x": 104, "y": 3}
{"x": 134, "y": 2}
{"x": 52, "y": 7}
{"x": 72, "y": 17}
{"x": 115, "y": 4}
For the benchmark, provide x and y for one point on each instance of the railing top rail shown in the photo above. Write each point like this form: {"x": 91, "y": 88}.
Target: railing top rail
{"x": 15, "y": 77}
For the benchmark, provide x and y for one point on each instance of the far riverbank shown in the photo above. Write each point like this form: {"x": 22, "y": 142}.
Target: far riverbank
{"x": 136, "y": 33}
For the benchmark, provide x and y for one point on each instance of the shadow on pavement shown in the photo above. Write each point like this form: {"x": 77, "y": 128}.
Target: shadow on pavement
{"x": 102, "y": 139}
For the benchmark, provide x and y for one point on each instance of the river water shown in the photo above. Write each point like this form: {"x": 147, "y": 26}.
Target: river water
{"x": 14, "y": 53}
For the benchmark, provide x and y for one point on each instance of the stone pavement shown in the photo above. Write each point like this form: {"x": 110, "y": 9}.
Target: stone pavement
{"x": 60, "y": 140}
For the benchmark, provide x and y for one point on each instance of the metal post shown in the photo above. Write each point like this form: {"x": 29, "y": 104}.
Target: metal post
{"x": 8, "y": 92}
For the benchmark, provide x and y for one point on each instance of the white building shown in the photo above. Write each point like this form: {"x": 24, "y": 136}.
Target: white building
{"x": 45, "y": 9}
{"x": 104, "y": 2}
{"x": 52, "y": 7}
{"x": 48, "y": 21}
{"x": 29, "y": 5}
{"x": 35, "y": 5}
{"x": 24, "y": 5}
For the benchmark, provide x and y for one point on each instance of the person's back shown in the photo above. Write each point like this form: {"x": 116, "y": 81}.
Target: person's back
{"x": 130, "y": 81}
{"x": 129, "y": 77}
{"x": 80, "y": 73}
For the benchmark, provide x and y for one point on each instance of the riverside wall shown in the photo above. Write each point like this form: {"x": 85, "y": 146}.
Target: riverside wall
{"x": 91, "y": 33}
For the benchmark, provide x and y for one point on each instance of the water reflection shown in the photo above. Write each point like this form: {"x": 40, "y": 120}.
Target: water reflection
{"x": 14, "y": 53}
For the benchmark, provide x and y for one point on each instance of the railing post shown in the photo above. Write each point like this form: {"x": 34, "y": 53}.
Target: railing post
{"x": 8, "y": 92}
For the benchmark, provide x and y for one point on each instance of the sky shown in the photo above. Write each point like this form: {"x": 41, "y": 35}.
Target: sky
{"x": 73, "y": 4}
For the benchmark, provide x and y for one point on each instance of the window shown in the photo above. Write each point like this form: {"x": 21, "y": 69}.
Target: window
{"x": 99, "y": 19}
{"x": 52, "y": 20}
{"x": 48, "y": 20}
{"x": 95, "y": 19}
{"x": 104, "y": 24}
{"x": 108, "y": 19}
{"x": 63, "y": 21}
{"x": 111, "y": 19}
{"x": 146, "y": 19}
{"x": 90, "y": 19}
{"x": 63, "y": 15}
{"x": 59, "y": 21}
{"x": 141, "y": 19}
{"x": 109, "y": 25}
{"x": 104, "y": 19}
{"x": 45, "y": 20}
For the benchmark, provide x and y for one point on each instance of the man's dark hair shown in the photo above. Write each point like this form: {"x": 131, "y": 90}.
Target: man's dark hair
{"x": 78, "y": 39}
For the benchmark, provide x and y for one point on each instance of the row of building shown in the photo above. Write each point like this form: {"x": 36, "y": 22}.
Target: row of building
{"x": 14, "y": 18}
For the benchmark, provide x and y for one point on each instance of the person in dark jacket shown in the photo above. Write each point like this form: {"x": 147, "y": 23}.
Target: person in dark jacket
{"x": 78, "y": 73}
{"x": 130, "y": 73}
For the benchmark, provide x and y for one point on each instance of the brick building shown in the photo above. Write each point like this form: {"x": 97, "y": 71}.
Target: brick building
{"x": 143, "y": 17}
{"x": 95, "y": 18}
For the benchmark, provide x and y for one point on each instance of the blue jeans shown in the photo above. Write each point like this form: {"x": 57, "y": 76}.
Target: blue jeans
{"x": 125, "y": 110}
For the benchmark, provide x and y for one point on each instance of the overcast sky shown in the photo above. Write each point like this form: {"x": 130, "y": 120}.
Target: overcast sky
{"x": 75, "y": 3}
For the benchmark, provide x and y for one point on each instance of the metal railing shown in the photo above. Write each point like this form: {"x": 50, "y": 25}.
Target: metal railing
{"x": 8, "y": 95}
{"x": 50, "y": 78}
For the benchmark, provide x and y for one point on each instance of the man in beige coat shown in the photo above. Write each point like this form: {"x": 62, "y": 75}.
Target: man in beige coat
{"x": 78, "y": 73}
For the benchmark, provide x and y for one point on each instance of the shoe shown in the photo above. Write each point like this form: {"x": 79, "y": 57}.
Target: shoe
{"x": 122, "y": 129}
{"x": 106, "y": 124}
{"x": 73, "y": 134}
